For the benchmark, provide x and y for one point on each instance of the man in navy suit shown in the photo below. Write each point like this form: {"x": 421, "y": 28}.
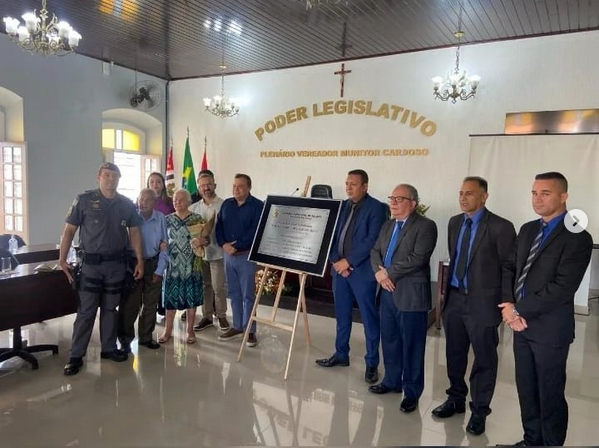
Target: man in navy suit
{"x": 360, "y": 222}
{"x": 551, "y": 261}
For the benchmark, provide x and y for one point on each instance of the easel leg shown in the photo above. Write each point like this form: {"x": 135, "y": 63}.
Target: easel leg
{"x": 305, "y": 316}
{"x": 275, "y": 307}
{"x": 297, "y": 311}
{"x": 256, "y": 302}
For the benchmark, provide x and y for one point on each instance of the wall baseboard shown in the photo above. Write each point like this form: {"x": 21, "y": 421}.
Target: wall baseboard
{"x": 581, "y": 309}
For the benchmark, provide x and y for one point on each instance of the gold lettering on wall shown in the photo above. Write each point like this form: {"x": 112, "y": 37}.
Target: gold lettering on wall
{"x": 386, "y": 111}
{"x": 399, "y": 152}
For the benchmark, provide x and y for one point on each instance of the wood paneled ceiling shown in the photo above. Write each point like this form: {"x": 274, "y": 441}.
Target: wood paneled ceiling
{"x": 175, "y": 39}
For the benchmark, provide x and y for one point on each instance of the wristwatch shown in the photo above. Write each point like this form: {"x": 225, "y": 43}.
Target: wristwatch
{"x": 515, "y": 311}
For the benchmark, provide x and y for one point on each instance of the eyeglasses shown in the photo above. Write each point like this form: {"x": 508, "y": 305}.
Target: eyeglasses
{"x": 398, "y": 199}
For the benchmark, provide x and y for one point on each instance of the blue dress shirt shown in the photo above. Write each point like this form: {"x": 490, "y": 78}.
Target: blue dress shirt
{"x": 475, "y": 222}
{"x": 238, "y": 222}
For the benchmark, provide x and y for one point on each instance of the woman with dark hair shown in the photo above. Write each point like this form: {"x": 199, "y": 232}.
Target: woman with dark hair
{"x": 164, "y": 203}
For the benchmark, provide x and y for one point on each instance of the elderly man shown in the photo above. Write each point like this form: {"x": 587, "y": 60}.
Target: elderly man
{"x": 360, "y": 221}
{"x": 213, "y": 268}
{"x": 108, "y": 224}
{"x": 236, "y": 226}
{"x": 400, "y": 259}
{"x": 146, "y": 292}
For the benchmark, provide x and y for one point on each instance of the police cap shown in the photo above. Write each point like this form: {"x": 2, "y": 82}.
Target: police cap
{"x": 109, "y": 166}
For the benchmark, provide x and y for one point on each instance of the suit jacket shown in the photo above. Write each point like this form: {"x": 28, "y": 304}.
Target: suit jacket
{"x": 491, "y": 265}
{"x": 367, "y": 226}
{"x": 410, "y": 270}
{"x": 554, "y": 277}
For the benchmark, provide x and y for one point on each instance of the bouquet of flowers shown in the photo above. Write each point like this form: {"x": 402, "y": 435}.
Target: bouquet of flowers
{"x": 199, "y": 228}
{"x": 271, "y": 284}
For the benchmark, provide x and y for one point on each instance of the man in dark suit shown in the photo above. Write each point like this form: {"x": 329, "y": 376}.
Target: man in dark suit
{"x": 360, "y": 221}
{"x": 481, "y": 276}
{"x": 551, "y": 261}
{"x": 400, "y": 259}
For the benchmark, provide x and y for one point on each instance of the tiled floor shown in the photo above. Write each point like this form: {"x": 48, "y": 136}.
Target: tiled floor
{"x": 193, "y": 395}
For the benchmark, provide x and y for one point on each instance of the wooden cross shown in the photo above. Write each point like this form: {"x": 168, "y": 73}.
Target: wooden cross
{"x": 342, "y": 72}
{"x": 343, "y": 47}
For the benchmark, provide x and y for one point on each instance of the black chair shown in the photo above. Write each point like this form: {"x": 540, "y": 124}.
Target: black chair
{"x": 321, "y": 191}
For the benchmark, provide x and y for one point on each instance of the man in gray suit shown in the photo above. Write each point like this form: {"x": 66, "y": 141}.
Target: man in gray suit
{"x": 400, "y": 259}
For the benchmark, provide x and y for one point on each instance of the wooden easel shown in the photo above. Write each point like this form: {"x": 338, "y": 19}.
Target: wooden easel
{"x": 300, "y": 309}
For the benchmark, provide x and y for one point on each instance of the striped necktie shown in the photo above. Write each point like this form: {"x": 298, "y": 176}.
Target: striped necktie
{"x": 536, "y": 244}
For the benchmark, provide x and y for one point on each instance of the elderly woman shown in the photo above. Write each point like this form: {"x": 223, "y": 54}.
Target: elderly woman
{"x": 163, "y": 203}
{"x": 183, "y": 283}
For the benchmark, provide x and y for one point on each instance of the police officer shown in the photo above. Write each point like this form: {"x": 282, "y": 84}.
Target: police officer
{"x": 103, "y": 217}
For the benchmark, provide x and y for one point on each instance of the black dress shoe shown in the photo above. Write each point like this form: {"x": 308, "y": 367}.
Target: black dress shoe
{"x": 332, "y": 362}
{"x": 150, "y": 344}
{"x": 476, "y": 424}
{"x": 116, "y": 356}
{"x": 408, "y": 405}
{"x": 73, "y": 366}
{"x": 381, "y": 389}
{"x": 448, "y": 409}
{"x": 371, "y": 375}
{"x": 125, "y": 347}
{"x": 520, "y": 443}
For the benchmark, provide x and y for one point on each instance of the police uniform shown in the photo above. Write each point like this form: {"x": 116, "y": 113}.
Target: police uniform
{"x": 104, "y": 239}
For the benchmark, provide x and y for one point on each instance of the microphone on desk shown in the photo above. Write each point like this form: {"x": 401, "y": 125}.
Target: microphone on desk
{"x": 294, "y": 191}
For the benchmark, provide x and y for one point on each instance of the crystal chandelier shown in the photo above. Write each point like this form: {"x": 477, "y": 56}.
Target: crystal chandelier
{"x": 40, "y": 36}
{"x": 456, "y": 85}
{"x": 221, "y": 105}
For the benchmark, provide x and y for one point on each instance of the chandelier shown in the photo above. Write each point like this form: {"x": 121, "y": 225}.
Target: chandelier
{"x": 221, "y": 105}
{"x": 456, "y": 85}
{"x": 40, "y": 36}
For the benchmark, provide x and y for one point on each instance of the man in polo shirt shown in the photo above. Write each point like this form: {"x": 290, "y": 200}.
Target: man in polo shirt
{"x": 236, "y": 225}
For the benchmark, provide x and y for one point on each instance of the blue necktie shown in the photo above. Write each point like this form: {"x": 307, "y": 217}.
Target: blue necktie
{"x": 392, "y": 244}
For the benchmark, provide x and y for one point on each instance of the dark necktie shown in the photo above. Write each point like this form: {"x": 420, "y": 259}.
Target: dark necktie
{"x": 344, "y": 230}
{"x": 392, "y": 243}
{"x": 532, "y": 253}
{"x": 462, "y": 266}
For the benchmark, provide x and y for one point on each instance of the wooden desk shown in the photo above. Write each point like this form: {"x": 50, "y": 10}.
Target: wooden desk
{"x": 37, "y": 253}
{"x": 442, "y": 279}
{"x": 27, "y": 298}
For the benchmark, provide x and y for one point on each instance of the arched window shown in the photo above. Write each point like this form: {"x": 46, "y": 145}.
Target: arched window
{"x": 13, "y": 166}
{"x": 125, "y": 145}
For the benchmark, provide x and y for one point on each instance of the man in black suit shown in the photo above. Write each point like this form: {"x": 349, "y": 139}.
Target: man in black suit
{"x": 400, "y": 259}
{"x": 551, "y": 261}
{"x": 481, "y": 276}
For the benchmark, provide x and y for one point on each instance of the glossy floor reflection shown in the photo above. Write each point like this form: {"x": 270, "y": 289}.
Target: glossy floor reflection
{"x": 194, "y": 395}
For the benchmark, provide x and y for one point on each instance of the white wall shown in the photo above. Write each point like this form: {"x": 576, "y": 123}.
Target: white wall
{"x": 549, "y": 73}
{"x": 63, "y": 100}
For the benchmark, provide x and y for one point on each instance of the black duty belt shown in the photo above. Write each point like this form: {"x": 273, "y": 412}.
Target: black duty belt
{"x": 154, "y": 258}
{"x": 95, "y": 259}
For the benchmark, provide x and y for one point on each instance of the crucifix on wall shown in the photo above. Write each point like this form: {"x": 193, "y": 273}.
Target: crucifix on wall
{"x": 343, "y": 47}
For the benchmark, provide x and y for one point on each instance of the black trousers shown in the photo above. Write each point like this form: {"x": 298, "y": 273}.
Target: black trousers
{"x": 462, "y": 330}
{"x": 541, "y": 381}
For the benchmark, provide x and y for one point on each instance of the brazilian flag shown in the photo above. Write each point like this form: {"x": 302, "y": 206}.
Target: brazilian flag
{"x": 189, "y": 176}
